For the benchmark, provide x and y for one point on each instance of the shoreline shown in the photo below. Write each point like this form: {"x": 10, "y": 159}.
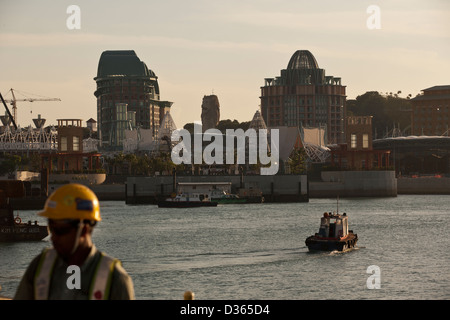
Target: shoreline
{"x": 427, "y": 185}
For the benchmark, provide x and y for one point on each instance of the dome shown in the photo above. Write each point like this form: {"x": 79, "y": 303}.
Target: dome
{"x": 302, "y": 59}
{"x": 122, "y": 62}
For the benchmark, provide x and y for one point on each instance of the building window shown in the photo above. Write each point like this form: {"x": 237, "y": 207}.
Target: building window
{"x": 365, "y": 141}
{"x": 353, "y": 141}
{"x": 63, "y": 143}
{"x": 76, "y": 143}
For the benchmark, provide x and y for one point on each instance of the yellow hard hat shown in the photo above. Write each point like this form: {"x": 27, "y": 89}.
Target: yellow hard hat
{"x": 72, "y": 201}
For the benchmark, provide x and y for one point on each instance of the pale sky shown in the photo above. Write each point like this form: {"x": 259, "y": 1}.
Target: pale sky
{"x": 227, "y": 47}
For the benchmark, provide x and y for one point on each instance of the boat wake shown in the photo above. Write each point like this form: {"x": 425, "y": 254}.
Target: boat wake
{"x": 224, "y": 259}
{"x": 336, "y": 252}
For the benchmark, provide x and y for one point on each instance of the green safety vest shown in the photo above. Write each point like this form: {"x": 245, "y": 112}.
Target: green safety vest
{"x": 100, "y": 284}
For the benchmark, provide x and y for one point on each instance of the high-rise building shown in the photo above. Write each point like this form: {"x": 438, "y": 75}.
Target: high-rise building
{"x": 303, "y": 96}
{"x": 431, "y": 112}
{"x": 127, "y": 96}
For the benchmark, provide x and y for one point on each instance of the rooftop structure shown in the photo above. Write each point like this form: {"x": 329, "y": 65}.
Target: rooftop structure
{"x": 303, "y": 96}
{"x": 418, "y": 154}
{"x": 29, "y": 139}
{"x": 128, "y": 95}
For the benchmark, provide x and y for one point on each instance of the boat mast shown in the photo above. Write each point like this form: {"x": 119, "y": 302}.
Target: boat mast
{"x": 337, "y": 205}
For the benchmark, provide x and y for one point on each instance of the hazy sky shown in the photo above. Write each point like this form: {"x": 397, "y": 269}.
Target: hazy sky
{"x": 227, "y": 47}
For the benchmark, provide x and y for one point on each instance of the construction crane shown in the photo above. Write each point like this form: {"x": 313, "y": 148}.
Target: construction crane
{"x": 13, "y": 101}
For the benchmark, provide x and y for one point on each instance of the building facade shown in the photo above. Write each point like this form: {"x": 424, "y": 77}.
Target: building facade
{"x": 358, "y": 152}
{"x": 304, "y": 96}
{"x": 70, "y": 156}
{"x": 431, "y": 112}
{"x": 127, "y": 96}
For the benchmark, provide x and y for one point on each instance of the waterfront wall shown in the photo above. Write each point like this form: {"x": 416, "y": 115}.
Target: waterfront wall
{"x": 354, "y": 184}
{"x": 334, "y": 183}
{"x": 109, "y": 192}
{"x": 423, "y": 185}
{"x": 277, "y": 188}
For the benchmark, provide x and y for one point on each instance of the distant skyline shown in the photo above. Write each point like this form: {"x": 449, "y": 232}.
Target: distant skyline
{"x": 227, "y": 48}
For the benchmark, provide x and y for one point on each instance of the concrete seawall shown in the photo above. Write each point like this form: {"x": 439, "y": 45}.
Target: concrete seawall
{"x": 277, "y": 188}
{"x": 286, "y": 188}
{"x": 108, "y": 192}
{"x": 354, "y": 184}
{"x": 423, "y": 185}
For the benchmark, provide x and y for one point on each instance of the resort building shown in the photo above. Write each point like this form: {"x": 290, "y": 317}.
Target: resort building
{"x": 128, "y": 97}
{"x": 431, "y": 112}
{"x": 70, "y": 156}
{"x": 358, "y": 153}
{"x": 303, "y": 96}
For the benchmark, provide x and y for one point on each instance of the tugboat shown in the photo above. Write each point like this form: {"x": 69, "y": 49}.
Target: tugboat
{"x": 184, "y": 200}
{"x": 12, "y": 228}
{"x": 333, "y": 234}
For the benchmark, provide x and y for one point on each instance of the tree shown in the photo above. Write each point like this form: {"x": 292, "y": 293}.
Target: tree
{"x": 297, "y": 161}
{"x": 9, "y": 164}
{"x": 388, "y": 111}
{"x": 223, "y": 125}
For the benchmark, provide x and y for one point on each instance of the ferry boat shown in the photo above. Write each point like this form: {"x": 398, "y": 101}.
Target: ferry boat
{"x": 333, "y": 234}
{"x": 187, "y": 200}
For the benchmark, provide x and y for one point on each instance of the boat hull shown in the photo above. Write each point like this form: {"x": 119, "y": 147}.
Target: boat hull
{"x": 229, "y": 201}
{"x": 185, "y": 204}
{"x": 22, "y": 232}
{"x": 315, "y": 243}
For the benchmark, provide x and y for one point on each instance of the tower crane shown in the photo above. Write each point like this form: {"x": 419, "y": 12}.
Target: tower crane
{"x": 13, "y": 101}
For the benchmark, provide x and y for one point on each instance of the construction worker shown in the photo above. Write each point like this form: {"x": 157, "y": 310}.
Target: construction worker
{"x": 74, "y": 269}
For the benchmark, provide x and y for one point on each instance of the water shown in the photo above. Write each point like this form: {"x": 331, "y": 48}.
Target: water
{"x": 257, "y": 251}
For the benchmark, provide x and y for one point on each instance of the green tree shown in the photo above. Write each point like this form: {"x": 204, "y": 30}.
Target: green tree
{"x": 297, "y": 161}
{"x": 388, "y": 111}
{"x": 223, "y": 125}
{"x": 9, "y": 164}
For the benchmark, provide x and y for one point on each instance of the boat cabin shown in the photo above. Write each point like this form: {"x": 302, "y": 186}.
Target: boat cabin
{"x": 191, "y": 197}
{"x": 203, "y": 187}
{"x": 333, "y": 225}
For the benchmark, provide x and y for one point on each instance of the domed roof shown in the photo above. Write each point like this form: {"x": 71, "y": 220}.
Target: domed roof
{"x": 122, "y": 62}
{"x": 302, "y": 59}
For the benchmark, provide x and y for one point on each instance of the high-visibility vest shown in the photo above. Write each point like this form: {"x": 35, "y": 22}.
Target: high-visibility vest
{"x": 100, "y": 284}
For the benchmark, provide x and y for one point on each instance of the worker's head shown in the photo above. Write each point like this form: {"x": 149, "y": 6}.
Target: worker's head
{"x": 72, "y": 211}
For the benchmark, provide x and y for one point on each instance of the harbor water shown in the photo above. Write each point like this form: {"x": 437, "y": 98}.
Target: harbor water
{"x": 257, "y": 251}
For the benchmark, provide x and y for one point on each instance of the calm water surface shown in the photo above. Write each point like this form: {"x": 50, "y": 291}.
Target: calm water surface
{"x": 257, "y": 251}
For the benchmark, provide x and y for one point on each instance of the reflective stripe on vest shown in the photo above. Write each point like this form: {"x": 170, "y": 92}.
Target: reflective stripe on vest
{"x": 43, "y": 274}
{"x": 100, "y": 283}
{"x": 102, "y": 278}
